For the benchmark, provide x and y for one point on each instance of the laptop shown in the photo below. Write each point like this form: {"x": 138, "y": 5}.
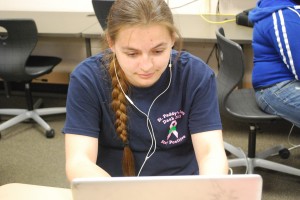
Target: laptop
{"x": 224, "y": 187}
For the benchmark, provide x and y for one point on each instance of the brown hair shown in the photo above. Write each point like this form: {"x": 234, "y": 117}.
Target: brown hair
{"x": 131, "y": 13}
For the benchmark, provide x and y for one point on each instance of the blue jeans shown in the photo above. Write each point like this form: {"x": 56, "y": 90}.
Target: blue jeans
{"x": 282, "y": 99}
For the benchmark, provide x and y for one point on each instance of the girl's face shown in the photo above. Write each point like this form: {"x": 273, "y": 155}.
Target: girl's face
{"x": 143, "y": 53}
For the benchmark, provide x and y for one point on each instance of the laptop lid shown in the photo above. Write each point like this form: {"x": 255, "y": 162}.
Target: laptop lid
{"x": 225, "y": 187}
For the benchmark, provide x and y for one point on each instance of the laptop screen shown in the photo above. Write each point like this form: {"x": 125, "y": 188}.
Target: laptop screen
{"x": 225, "y": 187}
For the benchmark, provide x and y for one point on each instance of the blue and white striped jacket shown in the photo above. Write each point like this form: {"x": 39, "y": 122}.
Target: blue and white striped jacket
{"x": 276, "y": 42}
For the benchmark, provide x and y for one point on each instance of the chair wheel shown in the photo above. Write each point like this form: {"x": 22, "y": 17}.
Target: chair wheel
{"x": 50, "y": 133}
{"x": 284, "y": 153}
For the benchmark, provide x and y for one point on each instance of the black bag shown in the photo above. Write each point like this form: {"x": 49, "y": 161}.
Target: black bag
{"x": 242, "y": 18}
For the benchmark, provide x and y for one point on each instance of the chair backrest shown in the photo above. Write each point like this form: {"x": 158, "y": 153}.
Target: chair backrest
{"x": 232, "y": 66}
{"x": 16, "y": 44}
{"x": 101, "y": 9}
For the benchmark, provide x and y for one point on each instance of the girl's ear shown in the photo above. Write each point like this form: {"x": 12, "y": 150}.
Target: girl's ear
{"x": 110, "y": 43}
{"x": 173, "y": 40}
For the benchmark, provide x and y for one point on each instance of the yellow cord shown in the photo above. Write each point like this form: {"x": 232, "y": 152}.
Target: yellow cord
{"x": 218, "y": 22}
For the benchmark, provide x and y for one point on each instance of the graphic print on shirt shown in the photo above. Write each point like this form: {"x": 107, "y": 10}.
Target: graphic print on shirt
{"x": 173, "y": 129}
{"x": 171, "y": 118}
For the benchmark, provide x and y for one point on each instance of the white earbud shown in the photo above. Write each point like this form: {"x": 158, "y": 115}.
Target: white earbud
{"x": 170, "y": 63}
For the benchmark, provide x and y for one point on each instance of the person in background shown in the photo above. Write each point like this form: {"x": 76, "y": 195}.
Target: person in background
{"x": 276, "y": 47}
{"x": 140, "y": 108}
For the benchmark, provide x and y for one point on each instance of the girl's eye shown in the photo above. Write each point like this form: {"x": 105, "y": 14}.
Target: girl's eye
{"x": 158, "y": 51}
{"x": 131, "y": 54}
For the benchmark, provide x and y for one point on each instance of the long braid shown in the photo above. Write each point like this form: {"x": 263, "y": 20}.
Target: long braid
{"x": 119, "y": 104}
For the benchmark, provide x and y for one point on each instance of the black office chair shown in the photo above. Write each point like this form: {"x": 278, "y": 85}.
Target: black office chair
{"x": 18, "y": 65}
{"x": 101, "y": 9}
{"x": 240, "y": 104}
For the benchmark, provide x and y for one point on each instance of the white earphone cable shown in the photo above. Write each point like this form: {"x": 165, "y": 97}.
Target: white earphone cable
{"x": 149, "y": 124}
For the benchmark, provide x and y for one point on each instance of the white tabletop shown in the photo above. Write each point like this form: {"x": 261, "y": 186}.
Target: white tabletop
{"x": 18, "y": 191}
{"x": 197, "y": 28}
{"x": 56, "y": 24}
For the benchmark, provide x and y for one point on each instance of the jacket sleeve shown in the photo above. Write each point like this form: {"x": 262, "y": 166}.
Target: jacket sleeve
{"x": 287, "y": 38}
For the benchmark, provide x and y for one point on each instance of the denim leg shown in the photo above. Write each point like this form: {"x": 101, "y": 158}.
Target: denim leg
{"x": 282, "y": 99}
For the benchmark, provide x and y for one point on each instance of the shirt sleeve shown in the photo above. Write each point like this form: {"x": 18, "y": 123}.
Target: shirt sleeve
{"x": 83, "y": 109}
{"x": 205, "y": 115}
{"x": 286, "y": 39}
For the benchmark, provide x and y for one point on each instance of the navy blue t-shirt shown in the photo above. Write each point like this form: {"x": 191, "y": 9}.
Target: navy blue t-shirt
{"x": 189, "y": 106}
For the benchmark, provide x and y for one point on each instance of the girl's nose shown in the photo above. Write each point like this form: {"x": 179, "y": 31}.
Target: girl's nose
{"x": 146, "y": 63}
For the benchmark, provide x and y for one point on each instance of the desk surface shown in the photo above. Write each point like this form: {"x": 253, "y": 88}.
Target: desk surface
{"x": 17, "y": 191}
{"x": 56, "y": 24}
{"x": 194, "y": 28}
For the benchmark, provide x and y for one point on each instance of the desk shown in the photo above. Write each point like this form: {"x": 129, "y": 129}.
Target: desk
{"x": 56, "y": 24}
{"x": 193, "y": 28}
{"x": 17, "y": 191}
